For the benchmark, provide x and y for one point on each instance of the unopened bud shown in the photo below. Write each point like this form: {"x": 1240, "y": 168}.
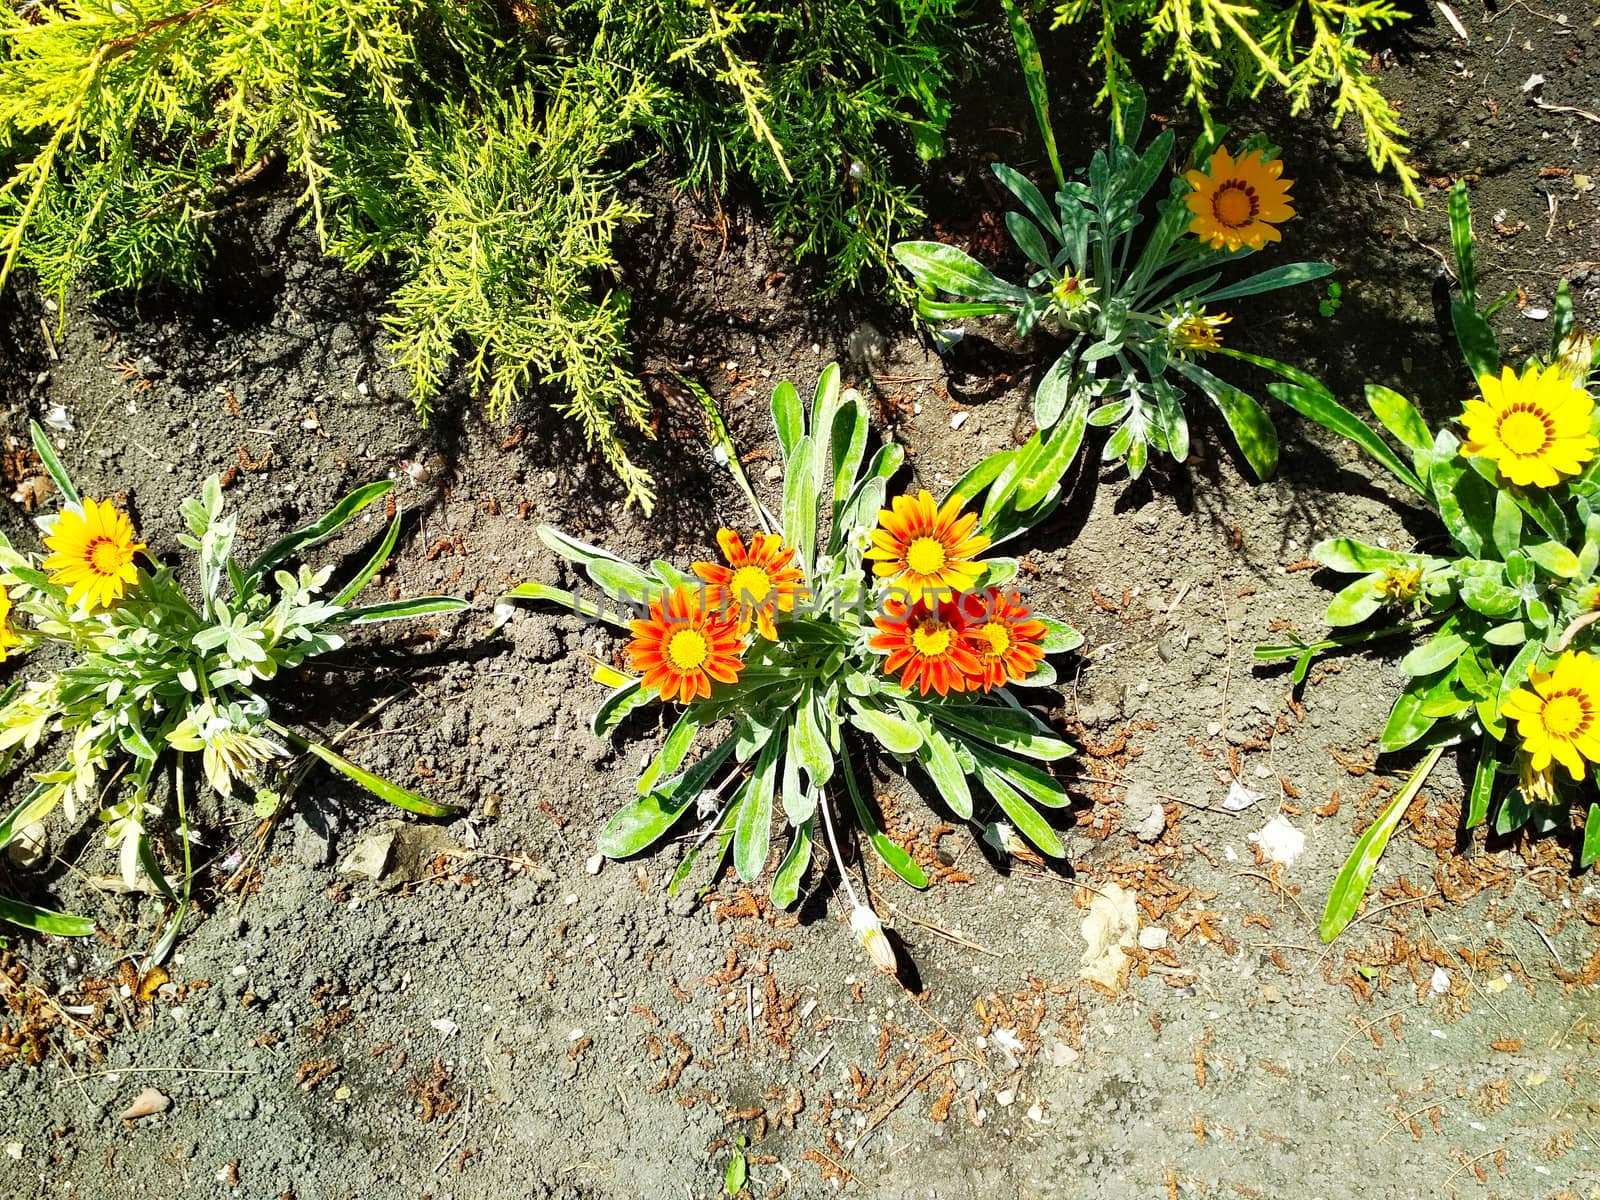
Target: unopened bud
{"x": 868, "y": 929}
{"x": 1575, "y": 356}
{"x": 1003, "y": 838}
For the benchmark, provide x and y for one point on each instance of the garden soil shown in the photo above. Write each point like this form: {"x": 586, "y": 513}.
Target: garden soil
{"x": 365, "y": 1004}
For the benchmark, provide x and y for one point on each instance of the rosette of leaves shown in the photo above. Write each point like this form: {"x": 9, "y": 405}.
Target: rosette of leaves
{"x": 1122, "y": 291}
{"x": 1518, "y": 586}
{"x": 162, "y": 674}
{"x": 772, "y": 752}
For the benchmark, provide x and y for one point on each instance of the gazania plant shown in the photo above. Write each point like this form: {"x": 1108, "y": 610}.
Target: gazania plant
{"x": 860, "y": 625}
{"x": 153, "y": 674}
{"x": 1137, "y": 303}
{"x": 1504, "y": 655}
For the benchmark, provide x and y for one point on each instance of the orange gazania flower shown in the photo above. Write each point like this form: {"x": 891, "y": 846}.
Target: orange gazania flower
{"x": 755, "y": 585}
{"x": 1240, "y": 201}
{"x": 94, "y": 551}
{"x": 930, "y": 646}
{"x": 921, "y": 548}
{"x": 682, "y": 648}
{"x": 1008, "y": 640}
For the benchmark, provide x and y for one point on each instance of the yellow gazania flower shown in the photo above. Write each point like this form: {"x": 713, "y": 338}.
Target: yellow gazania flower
{"x": 1196, "y": 333}
{"x": 8, "y": 636}
{"x": 1558, "y": 713}
{"x": 1534, "y": 426}
{"x": 1239, "y": 202}
{"x": 919, "y": 547}
{"x": 94, "y": 551}
{"x": 1400, "y": 585}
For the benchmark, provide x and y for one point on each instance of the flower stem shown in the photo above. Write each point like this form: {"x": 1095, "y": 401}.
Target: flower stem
{"x": 833, "y": 845}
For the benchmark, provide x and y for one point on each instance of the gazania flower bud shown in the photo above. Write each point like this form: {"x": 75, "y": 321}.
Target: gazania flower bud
{"x": 1575, "y": 355}
{"x": 868, "y": 929}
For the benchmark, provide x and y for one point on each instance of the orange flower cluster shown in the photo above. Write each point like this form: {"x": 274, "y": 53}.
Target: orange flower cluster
{"x": 938, "y": 637}
{"x": 975, "y": 643}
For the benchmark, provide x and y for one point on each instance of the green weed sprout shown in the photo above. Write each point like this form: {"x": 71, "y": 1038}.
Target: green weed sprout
{"x": 1130, "y": 301}
{"x": 856, "y": 625}
{"x": 156, "y": 675}
{"x": 1504, "y": 627}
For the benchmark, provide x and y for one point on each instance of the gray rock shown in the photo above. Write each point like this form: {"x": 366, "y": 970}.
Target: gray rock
{"x": 1142, "y": 814}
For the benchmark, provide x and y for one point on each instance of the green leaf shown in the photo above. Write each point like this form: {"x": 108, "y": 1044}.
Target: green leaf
{"x": 1476, "y": 339}
{"x": 947, "y": 269}
{"x": 40, "y": 801}
{"x": 800, "y": 502}
{"x": 1029, "y": 240}
{"x": 895, "y": 735}
{"x": 1483, "y": 775}
{"x": 810, "y": 744}
{"x": 1320, "y": 406}
{"x": 617, "y": 705}
{"x": 1288, "y": 275}
{"x": 1010, "y": 728}
{"x": 1465, "y": 503}
{"x": 1038, "y": 87}
{"x": 619, "y": 579}
{"x": 1406, "y": 721}
{"x": 1460, "y": 209}
{"x": 1038, "y": 786}
{"x": 44, "y": 920}
{"x": 936, "y": 311}
{"x": 1399, "y": 416}
{"x": 1032, "y": 199}
{"x": 672, "y": 752}
{"x": 1252, "y": 428}
{"x": 896, "y": 859}
{"x": 1435, "y": 654}
{"x": 1027, "y": 819}
{"x": 1356, "y": 601}
{"x": 1351, "y": 556}
{"x": 376, "y": 784}
{"x": 1055, "y": 389}
{"x": 1059, "y": 636}
{"x": 52, "y": 465}
{"x": 1591, "y": 837}
{"x": 1514, "y": 813}
{"x": 1132, "y": 184}
{"x": 398, "y": 610}
{"x": 980, "y": 476}
{"x": 799, "y": 801}
{"x": 640, "y": 823}
{"x": 1056, "y": 455}
{"x": 319, "y": 531}
{"x": 1483, "y": 588}
{"x": 1554, "y": 558}
{"x": 736, "y": 1174}
{"x": 824, "y": 406}
{"x": 792, "y": 870}
{"x": 753, "y": 834}
{"x": 566, "y": 598}
{"x": 938, "y": 759}
{"x": 849, "y": 442}
{"x": 1560, "y": 319}
{"x": 1507, "y": 529}
{"x": 147, "y": 860}
{"x": 1356, "y": 874}
{"x": 373, "y": 565}
{"x": 788, "y": 417}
